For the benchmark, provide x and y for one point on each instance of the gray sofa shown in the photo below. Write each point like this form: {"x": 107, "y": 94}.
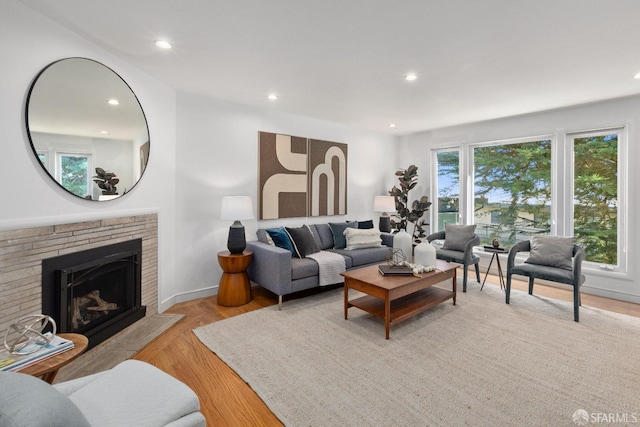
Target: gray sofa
{"x": 277, "y": 270}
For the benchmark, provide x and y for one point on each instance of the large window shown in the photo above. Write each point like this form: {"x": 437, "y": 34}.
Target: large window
{"x": 567, "y": 185}
{"x": 512, "y": 191}
{"x": 73, "y": 173}
{"x": 448, "y": 179}
{"x": 595, "y": 194}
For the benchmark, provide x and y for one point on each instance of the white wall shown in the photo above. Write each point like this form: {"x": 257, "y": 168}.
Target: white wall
{"x": 620, "y": 112}
{"x": 217, "y": 156}
{"x": 29, "y": 42}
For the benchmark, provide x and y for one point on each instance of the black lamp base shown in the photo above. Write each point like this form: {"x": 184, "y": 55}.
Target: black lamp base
{"x": 385, "y": 223}
{"x": 236, "y": 242}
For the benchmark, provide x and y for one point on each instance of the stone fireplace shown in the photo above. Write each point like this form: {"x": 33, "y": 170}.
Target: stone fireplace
{"x": 23, "y": 272}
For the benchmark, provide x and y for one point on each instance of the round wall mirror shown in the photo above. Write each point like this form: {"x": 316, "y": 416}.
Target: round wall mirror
{"x": 87, "y": 129}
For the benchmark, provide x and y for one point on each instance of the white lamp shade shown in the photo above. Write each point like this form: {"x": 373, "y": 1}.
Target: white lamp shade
{"x": 384, "y": 204}
{"x": 236, "y": 208}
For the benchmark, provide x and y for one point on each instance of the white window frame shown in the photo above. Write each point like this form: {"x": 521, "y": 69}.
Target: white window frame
{"x": 561, "y": 187}
{"x": 568, "y": 210}
{"x": 58, "y": 166}
{"x": 510, "y": 141}
{"x": 433, "y": 211}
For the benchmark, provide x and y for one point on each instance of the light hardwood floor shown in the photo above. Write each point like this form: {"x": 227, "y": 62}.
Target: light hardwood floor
{"x": 225, "y": 398}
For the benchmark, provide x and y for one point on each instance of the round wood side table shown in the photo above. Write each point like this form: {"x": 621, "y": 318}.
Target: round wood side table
{"x": 235, "y": 288}
{"x": 47, "y": 369}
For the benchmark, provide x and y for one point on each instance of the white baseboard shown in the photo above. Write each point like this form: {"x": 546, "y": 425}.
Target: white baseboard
{"x": 187, "y": 296}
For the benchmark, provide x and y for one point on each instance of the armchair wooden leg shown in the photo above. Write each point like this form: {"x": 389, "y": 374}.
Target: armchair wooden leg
{"x": 478, "y": 272}
{"x": 576, "y": 304}
{"x": 507, "y": 290}
{"x": 531, "y": 279}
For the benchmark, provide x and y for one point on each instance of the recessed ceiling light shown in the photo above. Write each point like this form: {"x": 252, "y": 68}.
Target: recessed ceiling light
{"x": 410, "y": 77}
{"x": 104, "y": 132}
{"x": 114, "y": 102}
{"x": 272, "y": 96}
{"x": 637, "y": 76}
{"x": 392, "y": 126}
{"x": 163, "y": 44}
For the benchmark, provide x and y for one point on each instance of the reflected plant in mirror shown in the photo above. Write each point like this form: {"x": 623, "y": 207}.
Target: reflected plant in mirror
{"x": 106, "y": 181}
{"x": 80, "y": 114}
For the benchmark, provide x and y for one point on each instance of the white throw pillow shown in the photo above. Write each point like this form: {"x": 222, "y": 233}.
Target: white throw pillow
{"x": 358, "y": 238}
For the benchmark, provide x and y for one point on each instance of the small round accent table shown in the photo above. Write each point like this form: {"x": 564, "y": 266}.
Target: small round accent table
{"x": 495, "y": 251}
{"x": 235, "y": 288}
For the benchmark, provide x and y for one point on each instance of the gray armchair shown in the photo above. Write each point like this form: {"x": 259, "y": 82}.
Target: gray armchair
{"x": 573, "y": 277}
{"x": 466, "y": 257}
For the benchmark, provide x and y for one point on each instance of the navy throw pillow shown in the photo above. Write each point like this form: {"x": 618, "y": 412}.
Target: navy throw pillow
{"x": 281, "y": 239}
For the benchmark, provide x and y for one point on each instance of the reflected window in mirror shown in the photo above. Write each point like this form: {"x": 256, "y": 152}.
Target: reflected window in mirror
{"x": 82, "y": 117}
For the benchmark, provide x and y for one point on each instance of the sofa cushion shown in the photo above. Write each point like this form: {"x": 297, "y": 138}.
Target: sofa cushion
{"x": 337, "y": 229}
{"x": 303, "y": 267}
{"x": 281, "y": 238}
{"x": 262, "y": 234}
{"x": 360, "y": 257}
{"x": 457, "y": 236}
{"x": 362, "y": 238}
{"x": 454, "y": 256}
{"x": 302, "y": 241}
{"x": 316, "y": 236}
{"x": 325, "y": 235}
{"x": 546, "y": 272}
{"x": 264, "y": 237}
{"x": 552, "y": 251}
{"x": 30, "y": 402}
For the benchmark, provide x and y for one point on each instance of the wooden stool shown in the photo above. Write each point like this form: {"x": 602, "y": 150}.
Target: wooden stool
{"x": 235, "y": 288}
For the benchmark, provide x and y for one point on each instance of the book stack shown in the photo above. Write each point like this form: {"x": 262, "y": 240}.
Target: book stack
{"x": 395, "y": 270}
{"x": 15, "y": 362}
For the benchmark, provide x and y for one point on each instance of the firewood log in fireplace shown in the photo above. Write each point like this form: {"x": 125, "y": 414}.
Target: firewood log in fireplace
{"x": 90, "y": 302}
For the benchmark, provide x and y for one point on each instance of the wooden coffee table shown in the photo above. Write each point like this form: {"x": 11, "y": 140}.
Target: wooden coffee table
{"x": 395, "y": 298}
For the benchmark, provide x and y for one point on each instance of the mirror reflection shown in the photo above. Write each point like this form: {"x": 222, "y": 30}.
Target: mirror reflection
{"x": 87, "y": 129}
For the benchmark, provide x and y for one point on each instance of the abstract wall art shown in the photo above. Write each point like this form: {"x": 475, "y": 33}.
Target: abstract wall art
{"x": 327, "y": 178}
{"x": 301, "y": 177}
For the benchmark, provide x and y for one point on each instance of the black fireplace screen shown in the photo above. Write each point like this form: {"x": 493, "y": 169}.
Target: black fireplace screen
{"x": 96, "y": 292}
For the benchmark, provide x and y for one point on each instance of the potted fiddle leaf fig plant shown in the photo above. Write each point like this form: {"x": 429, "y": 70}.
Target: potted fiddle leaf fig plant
{"x": 408, "y": 213}
{"x": 106, "y": 181}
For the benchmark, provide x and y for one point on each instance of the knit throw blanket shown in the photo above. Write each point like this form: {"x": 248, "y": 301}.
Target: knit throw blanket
{"x": 330, "y": 265}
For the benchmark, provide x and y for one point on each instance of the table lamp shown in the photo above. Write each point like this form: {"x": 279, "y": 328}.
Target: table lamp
{"x": 384, "y": 204}
{"x": 236, "y": 208}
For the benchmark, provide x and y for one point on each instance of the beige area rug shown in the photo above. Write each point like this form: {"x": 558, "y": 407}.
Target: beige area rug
{"x": 478, "y": 363}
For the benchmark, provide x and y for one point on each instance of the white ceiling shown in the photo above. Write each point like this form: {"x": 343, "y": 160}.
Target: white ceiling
{"x": 344, "y": 60}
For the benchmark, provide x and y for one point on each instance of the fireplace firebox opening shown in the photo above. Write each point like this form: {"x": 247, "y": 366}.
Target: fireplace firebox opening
{"x": 96, "y": 292}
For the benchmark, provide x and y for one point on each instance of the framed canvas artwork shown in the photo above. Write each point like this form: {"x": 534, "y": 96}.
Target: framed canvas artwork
{"x": 282, "y": 176}
{"x": 300, "y": 177}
